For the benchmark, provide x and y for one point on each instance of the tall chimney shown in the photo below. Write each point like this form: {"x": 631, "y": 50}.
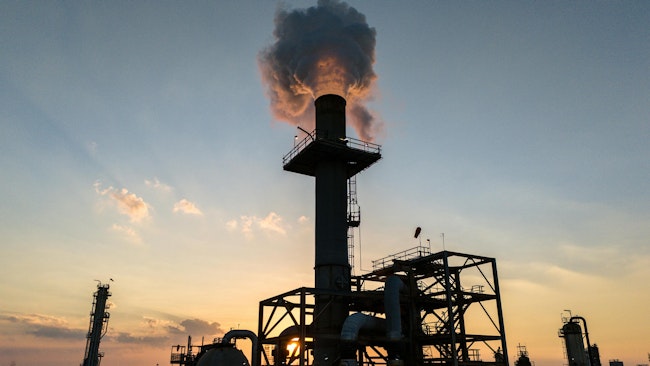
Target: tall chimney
{"x": 332, "y": 265}
{"x": 329, "y": 156}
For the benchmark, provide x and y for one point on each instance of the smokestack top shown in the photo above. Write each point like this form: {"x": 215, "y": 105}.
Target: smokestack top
{"x": 330, "y": 116}
{"x": 332, "y": 102}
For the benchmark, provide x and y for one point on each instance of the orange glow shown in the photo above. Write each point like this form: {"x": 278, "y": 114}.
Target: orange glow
{"x": 293, "y": 346}
{"x": 329, "y": 76}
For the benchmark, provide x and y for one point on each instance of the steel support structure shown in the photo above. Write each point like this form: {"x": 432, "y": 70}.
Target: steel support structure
{"x": 451, "y": 314}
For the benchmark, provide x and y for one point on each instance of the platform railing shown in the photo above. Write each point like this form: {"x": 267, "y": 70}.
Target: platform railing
{"x": 407, "y": 254}
{"x": 322, "y": 135}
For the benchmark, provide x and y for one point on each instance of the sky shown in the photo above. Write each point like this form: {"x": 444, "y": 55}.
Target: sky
{"x": 137, "y": 144}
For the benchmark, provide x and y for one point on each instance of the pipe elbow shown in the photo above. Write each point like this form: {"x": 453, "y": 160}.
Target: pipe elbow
{"x": 355, "y": 322}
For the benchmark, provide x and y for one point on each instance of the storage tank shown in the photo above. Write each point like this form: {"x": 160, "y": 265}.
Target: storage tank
{"x": 225, "y": 355}
{"x": 575, "y": 347}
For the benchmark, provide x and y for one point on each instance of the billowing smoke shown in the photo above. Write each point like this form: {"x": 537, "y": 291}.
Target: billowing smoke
{"x": 326, "y": 49}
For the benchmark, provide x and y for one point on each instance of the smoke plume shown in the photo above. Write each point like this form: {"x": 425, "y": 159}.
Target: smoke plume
{"x": 326, "y": 49}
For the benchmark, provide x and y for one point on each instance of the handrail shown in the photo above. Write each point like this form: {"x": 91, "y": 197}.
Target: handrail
{"x": 322, "y": 135}
{"x": 411, "y": 253}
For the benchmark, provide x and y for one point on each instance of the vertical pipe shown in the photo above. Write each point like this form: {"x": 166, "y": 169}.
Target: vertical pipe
{"x": 332, "y": 269}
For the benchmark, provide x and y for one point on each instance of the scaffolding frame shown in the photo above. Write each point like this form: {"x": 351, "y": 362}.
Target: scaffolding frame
{"x": 448, "y": 294}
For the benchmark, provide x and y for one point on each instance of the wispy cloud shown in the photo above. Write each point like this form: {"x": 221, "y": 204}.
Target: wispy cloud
{"x": 127, "y": 203}
{"x": 152, "y": 332}
{"x": 186, "y": 207}
{"x": 156, "y": 332}
{"x": 273, "y": 222}
{"x": 39, "y": 325}
{"x": 158, "y": 185}
{"x": 248, "y": 225}
{"x": 128, "y": 232}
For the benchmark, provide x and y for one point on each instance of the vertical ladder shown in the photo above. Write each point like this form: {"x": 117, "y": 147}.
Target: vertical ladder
{"x": 354, "y": 216}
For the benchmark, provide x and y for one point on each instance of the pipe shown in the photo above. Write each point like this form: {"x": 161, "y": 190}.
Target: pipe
{"x": 242, "y": 333}
{"x": 393, "y": 287}
{"x": 355, "y": 322}
{"x": 589, "y": 353}
{"x": 350, "y": 334}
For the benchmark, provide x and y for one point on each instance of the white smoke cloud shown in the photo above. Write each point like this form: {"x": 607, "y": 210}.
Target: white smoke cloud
{"x": 326, "y": 49}
{"x": 187, "y": 207}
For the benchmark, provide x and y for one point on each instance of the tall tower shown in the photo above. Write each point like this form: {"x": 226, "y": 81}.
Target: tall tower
{"x": 98, "y": 325}
{"x": 332, "y": 158}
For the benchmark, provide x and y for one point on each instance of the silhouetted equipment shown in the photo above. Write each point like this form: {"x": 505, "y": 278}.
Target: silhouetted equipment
{"x": 221, "y": 352}
{"x": 98, "y": 325}
{"x": 413, "y": 308}
{"x": 577, "y": 354}
{"x": 522, "y": 356}
{"x": 417, "y": 232}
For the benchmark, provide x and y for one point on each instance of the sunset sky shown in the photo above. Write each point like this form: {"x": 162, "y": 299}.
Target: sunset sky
{"x": 137, "y": 143}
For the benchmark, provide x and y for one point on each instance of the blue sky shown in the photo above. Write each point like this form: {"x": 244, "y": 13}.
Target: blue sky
{"x": 137, "y": 143}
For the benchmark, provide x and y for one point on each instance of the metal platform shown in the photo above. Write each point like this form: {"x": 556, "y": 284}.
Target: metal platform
{"x": 306, "y": 155}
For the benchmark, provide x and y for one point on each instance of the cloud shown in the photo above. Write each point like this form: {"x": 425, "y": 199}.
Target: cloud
{"x": 127, "y": 232}
{"x": 303, "y": 220}
{"x": 232, "y": 225}
{"x": 91, "y": 147}
{"x": 158, "y": 185}
{"x": 198, "y": 326}
{"x": 127, "y": 203}
{"x": 44, "y": 326}
{"x": 152, "y": 332}
{"x": 124, "y": 337}
{"x": 248, "y": 225}
{"x": 272, "y": 222}
{"x": 156, "y": 332}
{"x": 187, "y": 207}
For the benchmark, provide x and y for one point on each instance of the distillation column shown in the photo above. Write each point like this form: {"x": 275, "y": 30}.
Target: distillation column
{"x": 98, "y": 322}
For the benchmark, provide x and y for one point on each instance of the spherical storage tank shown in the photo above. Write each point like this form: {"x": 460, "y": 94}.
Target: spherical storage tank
{"x": 223, "y": 356}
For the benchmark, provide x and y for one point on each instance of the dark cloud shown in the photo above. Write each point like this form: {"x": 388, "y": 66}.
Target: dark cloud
{"x": 159, "y": 332}
{"x": 154, "y": 332}
{"x": 150, "y": 340}
{"x": 198, "y": 326}
{"x": 43, "y": 326}
{"x": 326, "y": 49}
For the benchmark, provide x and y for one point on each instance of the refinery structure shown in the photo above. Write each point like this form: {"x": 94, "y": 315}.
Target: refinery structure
{"x": 413, "y": 308}
{"x": 98, "y": 325}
